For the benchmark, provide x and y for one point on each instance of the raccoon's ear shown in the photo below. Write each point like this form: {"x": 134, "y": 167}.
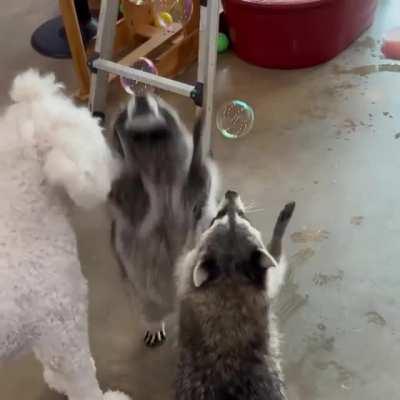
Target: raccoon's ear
{"x": 256, "y": 267}
{"x": 204, "y": 271}
{"x": 200, "y": 276}
{"x": 261, "y": 258}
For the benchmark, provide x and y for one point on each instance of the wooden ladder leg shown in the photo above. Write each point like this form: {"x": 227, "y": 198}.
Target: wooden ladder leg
{"x": 77, "y": 48}
{"x": 104, "y": 50}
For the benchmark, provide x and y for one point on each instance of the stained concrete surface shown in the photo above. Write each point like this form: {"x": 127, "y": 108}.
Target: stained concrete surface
{"x": 325, "y": 137}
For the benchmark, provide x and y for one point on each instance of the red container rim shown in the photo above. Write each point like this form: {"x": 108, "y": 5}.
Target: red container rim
{"x": 281, "y": 4}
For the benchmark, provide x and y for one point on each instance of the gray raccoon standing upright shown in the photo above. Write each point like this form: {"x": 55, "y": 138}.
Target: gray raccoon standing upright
{"x": 163, "y": 198}
{"x": 227, "y": 335}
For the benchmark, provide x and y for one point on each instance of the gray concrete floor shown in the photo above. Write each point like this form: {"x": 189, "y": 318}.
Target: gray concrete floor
{"x": 324, "y": 137}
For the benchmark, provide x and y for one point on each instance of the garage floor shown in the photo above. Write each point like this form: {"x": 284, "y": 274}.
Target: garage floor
{"x": 326, "y": 137}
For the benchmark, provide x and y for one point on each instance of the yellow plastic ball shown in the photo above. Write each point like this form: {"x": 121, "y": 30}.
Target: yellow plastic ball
{"x": 164, "y": 19}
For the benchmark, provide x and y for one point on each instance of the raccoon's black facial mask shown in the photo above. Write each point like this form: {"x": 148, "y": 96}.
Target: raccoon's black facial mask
{"x": 145, "y": 119}
{"x": 230, "y": 206}
{"x": 233, "y": 249}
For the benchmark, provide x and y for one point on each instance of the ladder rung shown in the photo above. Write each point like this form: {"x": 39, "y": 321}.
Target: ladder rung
{"x": 159, "y": 82}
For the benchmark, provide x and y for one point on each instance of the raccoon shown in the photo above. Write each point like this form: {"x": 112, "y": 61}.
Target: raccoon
{"x": 228, "y": 343}
{"x": 164, "y": 197}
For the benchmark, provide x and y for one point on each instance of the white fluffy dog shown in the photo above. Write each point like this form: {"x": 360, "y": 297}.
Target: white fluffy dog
{"x": 46, "y": 142}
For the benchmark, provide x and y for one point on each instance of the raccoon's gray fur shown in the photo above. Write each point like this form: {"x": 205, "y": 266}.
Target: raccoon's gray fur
{"x": 163, "y": 199}
{"x": 228, "y": 342}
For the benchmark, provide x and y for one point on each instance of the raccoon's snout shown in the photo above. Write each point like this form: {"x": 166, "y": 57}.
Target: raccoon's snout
{"x": 143, "y": 116}
{"x": 233, "y": 202}
{"x": 139, "y": 106}
{"x": 231, "y": 195}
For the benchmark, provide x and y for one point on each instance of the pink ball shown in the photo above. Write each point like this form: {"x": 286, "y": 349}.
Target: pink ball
{"x": 391, "y": 44}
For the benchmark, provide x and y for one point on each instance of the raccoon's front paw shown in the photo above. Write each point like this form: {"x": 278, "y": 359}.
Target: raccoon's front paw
{"x": 155, "y": 337}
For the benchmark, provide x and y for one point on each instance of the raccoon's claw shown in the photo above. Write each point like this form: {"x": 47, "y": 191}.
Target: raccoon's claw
{"x": 152, "y": 339}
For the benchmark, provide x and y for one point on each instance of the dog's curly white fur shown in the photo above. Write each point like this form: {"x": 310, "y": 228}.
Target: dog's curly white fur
{"x": 47, "y": 141}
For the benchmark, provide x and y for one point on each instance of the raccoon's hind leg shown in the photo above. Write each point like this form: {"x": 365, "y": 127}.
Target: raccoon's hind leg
{"x": 155, "y": 333}
{"x": 154, "y": 315}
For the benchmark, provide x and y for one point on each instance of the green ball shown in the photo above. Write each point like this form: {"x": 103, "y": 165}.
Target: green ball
{"x": 223, "y": 42}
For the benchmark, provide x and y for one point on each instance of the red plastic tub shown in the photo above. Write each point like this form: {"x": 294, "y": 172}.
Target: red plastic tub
{"x": 295, "y": 33}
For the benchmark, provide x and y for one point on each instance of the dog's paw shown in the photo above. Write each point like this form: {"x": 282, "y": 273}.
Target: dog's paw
{"x": 155, "y": 338}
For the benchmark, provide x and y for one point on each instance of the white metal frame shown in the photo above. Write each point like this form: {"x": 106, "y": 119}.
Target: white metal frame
{"x": 202, "y": 93}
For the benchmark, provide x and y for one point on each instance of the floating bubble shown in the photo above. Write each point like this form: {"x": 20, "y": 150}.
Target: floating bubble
{"x": 169, "y": 11}
{"x": 133, "y": 86}
{"x": 235, "y": 119}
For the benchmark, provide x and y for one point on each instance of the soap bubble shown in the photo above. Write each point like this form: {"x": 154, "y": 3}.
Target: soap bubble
{"x": 235, "y": 119}
{"x": 169, "y": 11}
{"x": 133, "y": 86}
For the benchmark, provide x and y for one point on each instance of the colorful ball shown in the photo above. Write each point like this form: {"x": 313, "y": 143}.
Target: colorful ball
{"x": 391, "y": 44}
{"x": 223, "y": 42}
{"x": 180, "y": 12}
{"x": 164, "y": 19}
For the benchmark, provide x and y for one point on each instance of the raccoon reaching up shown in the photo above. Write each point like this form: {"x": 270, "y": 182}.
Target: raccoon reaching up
{"x": 164, "y": 197}
{"x": 229, "y": 349}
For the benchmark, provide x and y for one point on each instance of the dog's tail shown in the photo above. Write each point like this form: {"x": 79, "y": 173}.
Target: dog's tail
{"x": 87, "y": 182}
{"x": 76, "y": 154}
{"x": 30, "y": 86}
{"x": 80, "y": 160}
